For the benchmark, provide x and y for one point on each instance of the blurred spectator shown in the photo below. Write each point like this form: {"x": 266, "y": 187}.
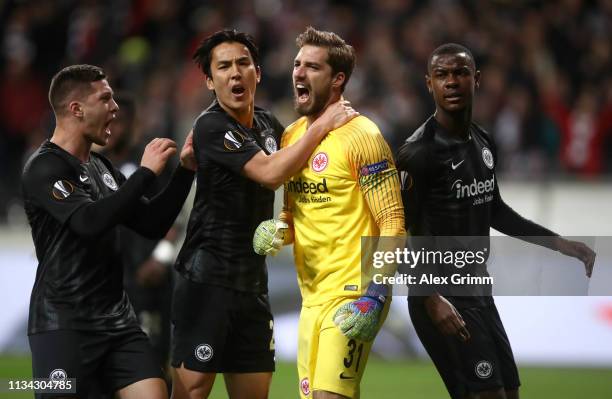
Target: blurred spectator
{"x": 547, "y": 66}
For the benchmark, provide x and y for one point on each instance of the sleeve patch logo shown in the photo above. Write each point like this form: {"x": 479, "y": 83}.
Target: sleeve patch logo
{"x": 62, "y": 189}
{"x": 374, "y": 168}
{"x": 233, "y": 140}
{"x": 406, "y": 180}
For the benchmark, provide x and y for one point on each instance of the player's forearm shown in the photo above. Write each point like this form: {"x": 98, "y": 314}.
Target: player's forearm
{"x": 96, "y": 217}
{"x": 285, "y": 163}
{"x": 154, "y": 218}
{"x": 506, "y": 220}
{"x": 384, "y": 199}
{"x": 392, "y": 223}
{"x": 393, "y": 236}
{"x": 383, "y": 196}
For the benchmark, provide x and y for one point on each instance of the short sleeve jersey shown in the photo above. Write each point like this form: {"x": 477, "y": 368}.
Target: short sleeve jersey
{"x": 79, "y": 281}
{"x": 228, "y": 206}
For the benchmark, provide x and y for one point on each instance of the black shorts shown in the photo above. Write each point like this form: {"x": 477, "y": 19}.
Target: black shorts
{"x": 100, "y": 361}
{"x": 221, "y": 330}
{"x": 483, "y": 363}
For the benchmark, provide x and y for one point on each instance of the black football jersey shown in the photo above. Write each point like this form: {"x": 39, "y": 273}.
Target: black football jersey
{"x": 228, "y": 206}
{"x": 449, "y": 184}
{"x": 79, "y": 280}
{"x": 450, "y": 191}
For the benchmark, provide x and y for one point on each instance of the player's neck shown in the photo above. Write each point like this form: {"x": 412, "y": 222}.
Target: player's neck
{"x": 71, "y": 141}
{"x": 335, "y": 97}
{"x": 243, "y": 116}
{"x": 458, "y": 124}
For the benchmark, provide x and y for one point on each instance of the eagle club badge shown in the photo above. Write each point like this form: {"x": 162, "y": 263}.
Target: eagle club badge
{"x": 484, "y": 369}
{"x": 270, "y": 144}
{"x": 487, "y": 157}
{"x": 204, "y": 352}
{"x": 109, "y": 181}
{"x": 305, "y": 386}
{"x": 319, "y": 162}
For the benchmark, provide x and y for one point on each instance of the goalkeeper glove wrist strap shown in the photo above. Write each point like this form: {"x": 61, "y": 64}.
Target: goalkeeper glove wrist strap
{"x": 377, "y": 292}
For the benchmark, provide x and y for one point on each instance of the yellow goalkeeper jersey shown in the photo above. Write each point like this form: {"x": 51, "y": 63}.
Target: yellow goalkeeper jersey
{"x": 348, "y": 189}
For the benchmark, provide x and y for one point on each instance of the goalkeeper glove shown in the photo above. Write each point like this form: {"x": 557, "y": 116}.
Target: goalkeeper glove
{"x": 269, "y": 237}
{"x": 359, "y": 319}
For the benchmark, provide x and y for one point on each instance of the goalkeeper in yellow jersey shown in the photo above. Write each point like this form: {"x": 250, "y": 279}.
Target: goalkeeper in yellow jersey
{"x": 348, "y": 189}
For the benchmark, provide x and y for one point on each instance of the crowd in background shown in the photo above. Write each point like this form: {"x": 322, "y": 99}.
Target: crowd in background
{"x": 545, "y": 96}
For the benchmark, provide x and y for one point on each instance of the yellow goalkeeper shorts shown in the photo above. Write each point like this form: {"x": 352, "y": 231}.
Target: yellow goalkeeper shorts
{"x": 327, "y": 360}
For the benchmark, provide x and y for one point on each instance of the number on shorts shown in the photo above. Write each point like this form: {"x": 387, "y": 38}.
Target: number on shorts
{"x": 348, "y": 361}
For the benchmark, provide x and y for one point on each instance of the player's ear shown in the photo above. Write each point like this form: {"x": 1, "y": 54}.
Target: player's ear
{"x": 428, "y": 83}
{"x": 209, "y": 83}
{"x": 477, "y": 79}
{"x": 338, "y": 80}
{"x": 76, "y": 109}
{"x": 258, "y": 73}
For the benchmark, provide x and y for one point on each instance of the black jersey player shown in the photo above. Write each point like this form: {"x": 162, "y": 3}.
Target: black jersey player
{"x": 221, "y": 316}
{"x": 440, "y": 162}
{"x": 81, "y": 323}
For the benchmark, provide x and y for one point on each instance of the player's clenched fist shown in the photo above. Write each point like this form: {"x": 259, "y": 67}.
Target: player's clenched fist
{"x": 156, "y": 154}
{"x": 359, "y": 319}
{"x": 269, "y": 237}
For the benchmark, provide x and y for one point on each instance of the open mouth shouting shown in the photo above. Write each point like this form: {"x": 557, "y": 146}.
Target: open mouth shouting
{"x": 238, "y": 91}
{"x": 302, "y": 93}
{"x": 107, "y": 129}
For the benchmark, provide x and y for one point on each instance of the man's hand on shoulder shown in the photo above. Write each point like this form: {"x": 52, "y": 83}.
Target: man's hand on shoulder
{"x": 336, "y": 115}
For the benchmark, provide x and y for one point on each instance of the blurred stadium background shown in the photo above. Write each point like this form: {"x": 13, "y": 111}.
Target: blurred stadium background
{"x": 546, "y": 97}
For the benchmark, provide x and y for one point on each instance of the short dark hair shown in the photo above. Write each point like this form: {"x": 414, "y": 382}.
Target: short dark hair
{"x": 451, "y": 48}
{"x": 69, "y": 79}
{"x": 203, "y": 54}
{"x": 341, "y": 56}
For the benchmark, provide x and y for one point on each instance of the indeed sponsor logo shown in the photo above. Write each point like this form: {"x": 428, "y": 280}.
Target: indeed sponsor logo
{"x": 474, "y": 188}
{"x": 304, "y": 187}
